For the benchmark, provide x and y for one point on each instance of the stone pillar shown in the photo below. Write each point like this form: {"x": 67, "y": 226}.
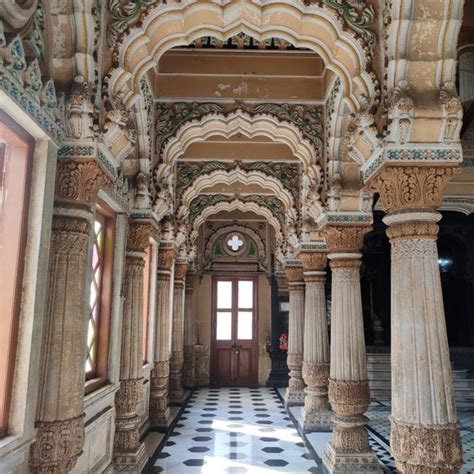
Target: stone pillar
{"x": 129, "y": 452}
{"x": 425, "y": 433}
{"x": 60, "y": 419}
{"x": 316, "y": 414}
{"x": 176, "y": 393}
{"x": 159, "y": 410}
{"x": 294, "y": 394}
{"x": 349, "y": 394}
{"x": 189, "y": 333}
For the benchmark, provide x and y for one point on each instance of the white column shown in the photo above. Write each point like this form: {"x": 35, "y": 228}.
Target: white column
{"x": 316, "y": 414}
{"x": 294, "y": 394}
{"x": 189, "y": 332}
{"x": 349, "y": 394}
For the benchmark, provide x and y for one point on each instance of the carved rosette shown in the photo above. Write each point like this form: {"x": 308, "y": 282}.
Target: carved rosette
{"x": 58, "y": 445}
{"x": 79, "y": 181}
{"x": 345, "y": 238}
{"x": 426, "y": 449}
{"x": 349, "y": 398}
{"x": 409, "y": 187}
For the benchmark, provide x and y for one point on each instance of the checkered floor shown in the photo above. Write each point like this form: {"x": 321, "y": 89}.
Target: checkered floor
{"x": 234, "y": 430}
{"x": 242, "y": 430}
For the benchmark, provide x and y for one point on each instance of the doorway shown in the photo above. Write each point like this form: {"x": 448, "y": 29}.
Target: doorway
{"x": 234, "y": 331}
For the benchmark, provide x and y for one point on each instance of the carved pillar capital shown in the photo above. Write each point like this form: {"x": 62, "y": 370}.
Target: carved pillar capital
{"x": 313, "y": 261}
{"x": 411, "y": 187}
{"x": 79, "y": 181}
{"x": 166, "y": 257}
{"x": 180, "y": 269}
{"x": 138, "y": 237}
{"x": 294, "y": 276}
{"x": 345, "y": 238}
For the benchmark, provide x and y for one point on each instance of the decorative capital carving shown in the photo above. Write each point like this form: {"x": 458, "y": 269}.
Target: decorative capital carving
{"x": 409, "y": 187}
{"x": 294, "y": 274}
{"x": 313, "y": 261}
{"x": 340, "y": 238}
{"x": 79, "y": 181}
{"x": 349, "y": 398}
{"x": 139, "y": 236}
{"x": 166, "y": 258}
{"x": 180, "y": 270}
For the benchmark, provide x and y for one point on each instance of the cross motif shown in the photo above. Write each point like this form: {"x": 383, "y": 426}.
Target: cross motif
{"x": 235, "y": 243}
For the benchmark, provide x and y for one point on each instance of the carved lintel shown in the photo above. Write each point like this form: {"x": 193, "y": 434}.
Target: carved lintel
{"x": 58, "y": 445}
{"x": 349, "y": 398}
{"x": 411, "y": 188}
{"x": 426, "y": 449}
{"x": 345, "y": 239}
{"x": 79, "y": 181}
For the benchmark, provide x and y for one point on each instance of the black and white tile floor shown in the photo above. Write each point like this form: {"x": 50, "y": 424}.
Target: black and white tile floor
{"x": 234, "y": 430}
{"x": 242, "y": 430}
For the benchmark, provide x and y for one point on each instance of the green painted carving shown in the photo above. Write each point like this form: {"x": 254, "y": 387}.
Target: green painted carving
{"x": 287, "y": 173}
{"x": 251, "y": 250}
{"x": 36, "y": 38}
{"x": 124, "y": 14}
{"x": 307, "y": 119}
{"x": 203, "y": 201}
{"x": 355, "y": 14}
{"x": 169, "y": 117}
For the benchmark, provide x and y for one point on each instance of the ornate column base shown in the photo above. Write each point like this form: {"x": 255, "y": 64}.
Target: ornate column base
{"x": 188, "y": 367}
{"x": 337, "y": 462}
{"x": 426, "y": 449}
{"x": 176, "y": 394}
{"x": 316, "y": 414}
{"x": 132, "y": 462}
{"x": 58, "y": 445}
{"x": 294, "y": 394}
{"x": 160, "y": 416}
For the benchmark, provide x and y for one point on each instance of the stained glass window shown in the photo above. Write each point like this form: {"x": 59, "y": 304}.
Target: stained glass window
{"x": 95, "y": 294}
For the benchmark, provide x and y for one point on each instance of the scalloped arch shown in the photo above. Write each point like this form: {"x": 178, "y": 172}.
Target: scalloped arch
{"x": 312, "y": 27}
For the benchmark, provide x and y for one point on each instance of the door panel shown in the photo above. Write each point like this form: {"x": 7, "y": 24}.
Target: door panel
{"x": 234, "y": 331}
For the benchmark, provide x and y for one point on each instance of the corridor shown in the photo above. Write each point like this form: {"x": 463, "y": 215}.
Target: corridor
{"x": 234, "y": 430}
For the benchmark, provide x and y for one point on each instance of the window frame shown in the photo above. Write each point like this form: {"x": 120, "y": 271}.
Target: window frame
{"x": 20, "y": 142}
{"x": 99, "y": 376}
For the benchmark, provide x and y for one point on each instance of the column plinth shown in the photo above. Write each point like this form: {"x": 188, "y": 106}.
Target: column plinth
{"x": 316, "y": 414}
{"x": 176, "y": 393}
{"x": 129, "y": 452}
{"x": 159, "y": 379}
{"x": 349, "y": 394}
{"x": 294, "y": 394}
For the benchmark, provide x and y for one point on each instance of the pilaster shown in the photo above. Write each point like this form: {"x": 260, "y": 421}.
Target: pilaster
{"x": 176, "y": 393}
{"x": 349, "y": 394}
{"x": 60, "y": 421}
{"x": 316, "y": 414}
{"x": 189, "y": 332}
{"x": 294, "y": 394}
{"x": 129, "y": 452}
{"x": 159, "y": 378}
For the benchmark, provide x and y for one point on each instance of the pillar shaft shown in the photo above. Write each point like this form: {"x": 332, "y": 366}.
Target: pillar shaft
{"x": 177, "y": 341}
{"x": 316, "y": 414}
{"x": 129, "y": 452}
{"x": 159, "y": 410}
{"x": 425, "y": 434}
{"x": 349, "y": 394}
{"x": 294, "y": 394}
{"x": 189, "y": 333}
{"x": 60, "y": 423}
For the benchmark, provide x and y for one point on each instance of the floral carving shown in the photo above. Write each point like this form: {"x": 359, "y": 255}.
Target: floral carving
{"x": 419, "y": 449}
{"x": 316, "y": 374}
{"x": 342, "y": 238}
{"x": 313, "y": 261}
{"x": 139, "y": 236}
{"x": 408, "y": 187}
{"x": 166, "y": 258}
{"x": 401, "y": 112}
{"x": 79, "y": 181}
{"x": 58, "y": 445}
{"x": 453, "y": 111}
{"x": 349, "y": 398}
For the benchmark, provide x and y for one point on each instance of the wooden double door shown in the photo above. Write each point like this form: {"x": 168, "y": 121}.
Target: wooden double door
{"x": 234, "y": 331}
